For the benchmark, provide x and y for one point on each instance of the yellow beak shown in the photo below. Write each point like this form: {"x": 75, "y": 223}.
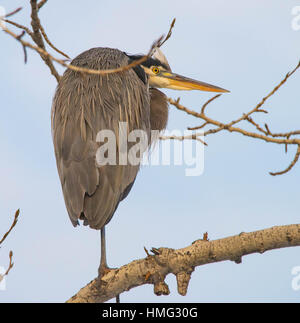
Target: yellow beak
{"x": 179, "y": 82}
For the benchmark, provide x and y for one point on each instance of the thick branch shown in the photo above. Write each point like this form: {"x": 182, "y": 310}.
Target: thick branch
{"x": 181, "y": 262}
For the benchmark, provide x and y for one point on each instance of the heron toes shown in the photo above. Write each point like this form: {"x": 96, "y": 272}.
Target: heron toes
{"x": 103, "y": 270}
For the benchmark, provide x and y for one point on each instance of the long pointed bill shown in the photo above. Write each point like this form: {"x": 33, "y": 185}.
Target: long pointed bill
{"x": 179, "y": 82}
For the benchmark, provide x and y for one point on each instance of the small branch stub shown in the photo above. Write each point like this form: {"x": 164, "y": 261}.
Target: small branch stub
{"x": 161, "y": 288}
{"x": 183, "y": 280}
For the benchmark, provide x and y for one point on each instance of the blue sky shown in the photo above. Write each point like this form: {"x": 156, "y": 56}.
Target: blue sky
{"x": 244, "y": 46}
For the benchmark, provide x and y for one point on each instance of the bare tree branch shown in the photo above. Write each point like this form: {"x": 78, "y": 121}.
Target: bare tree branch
{"x": 154, "y": 268}
{"x": 222, "y": 126}
{"x": 263, "y": 134}
{"x": 44, "y": 53}
{"x": 182, "y": 262}
{"x": 38, "y": 33}
{"x": 38, "y": 39}
{"x": 48, "y": 57}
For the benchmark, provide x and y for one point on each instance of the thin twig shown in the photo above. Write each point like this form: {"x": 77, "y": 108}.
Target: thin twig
{"x": 49, "y": 42}
{"x": 41, "y": 3}
{"x": 257, "y": 126}
{"x": 292, "y": 164}
{"x": 257, "y": 107}
{"x": 222, "y": 126}
{"x": 24, "y": 48}
{"x": 11, "y": 227}
{"x": 286, "y": 134}
{"x": 28, "y": 31}
{"x": 39, "y": 33}
{"x": 209, "y": 101}
{"x": 82, "y": 69}
{"x": 169, "y": 34}
{"x": 245, "y": 116}
{"x": 38, "y": 39}
{"x": 13, "y": 12}
{"x": 11, "y": 264}
{"x": 198, "y": 127}
{"x": 187, "y": 137}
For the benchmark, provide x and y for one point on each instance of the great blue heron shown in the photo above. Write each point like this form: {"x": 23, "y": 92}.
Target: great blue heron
{"x": 84, "y": 104}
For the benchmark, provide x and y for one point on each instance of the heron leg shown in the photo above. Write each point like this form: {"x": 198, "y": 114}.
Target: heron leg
{"x": 103, "y": 268}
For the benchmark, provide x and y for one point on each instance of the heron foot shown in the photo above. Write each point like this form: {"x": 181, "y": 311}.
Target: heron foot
{"x": 103, "y": 270}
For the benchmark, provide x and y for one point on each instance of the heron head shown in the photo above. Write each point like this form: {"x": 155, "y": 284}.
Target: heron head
{"x": 160, "y": 75}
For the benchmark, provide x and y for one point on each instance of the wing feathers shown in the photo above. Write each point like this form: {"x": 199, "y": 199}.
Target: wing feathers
{"x": 83, "y": 105}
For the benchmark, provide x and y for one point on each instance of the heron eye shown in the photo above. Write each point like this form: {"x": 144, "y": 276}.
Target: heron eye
{"x": 155, "y": 70}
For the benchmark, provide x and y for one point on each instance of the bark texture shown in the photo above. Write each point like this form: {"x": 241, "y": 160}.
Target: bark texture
{"x": 181, "y": 262}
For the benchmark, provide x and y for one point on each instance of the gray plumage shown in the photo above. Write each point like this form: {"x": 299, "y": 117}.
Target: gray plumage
{"x": 83, "y": 105}
{"x": 158, "y": 110}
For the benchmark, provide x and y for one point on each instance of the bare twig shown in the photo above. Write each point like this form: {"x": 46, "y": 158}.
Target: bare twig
{"x": 13, "y": 12}
{"x": 2, "y": 240}
{"x": 24, "y": 48}
{"x": 38, "y": 33}
{"x": 12, "y": 226}
{"x": 28, "y": 31}
{"x": 208, "y": 102}
{"x": 292, "y": 164}
{"x": 169, "y": 34}
{"x": 187, "y": 137}
{"x": 283, "y": 134}
{"x": 263, "y": 134}
{"x": 198, "y": 127}
{"x": 10, "y": 265}
{"x": 221, "y": 126}
{"x": 45, "y": 55}
{"x": 258, "y": 106}
{"x": 49, "y": 42}
{"x": 38, "y": 39}
{"x": 41, "y": 3}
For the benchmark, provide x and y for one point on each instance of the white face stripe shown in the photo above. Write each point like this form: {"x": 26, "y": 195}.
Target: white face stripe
{"x": 158, "y": 81}
{"x": 158, "y": 54}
